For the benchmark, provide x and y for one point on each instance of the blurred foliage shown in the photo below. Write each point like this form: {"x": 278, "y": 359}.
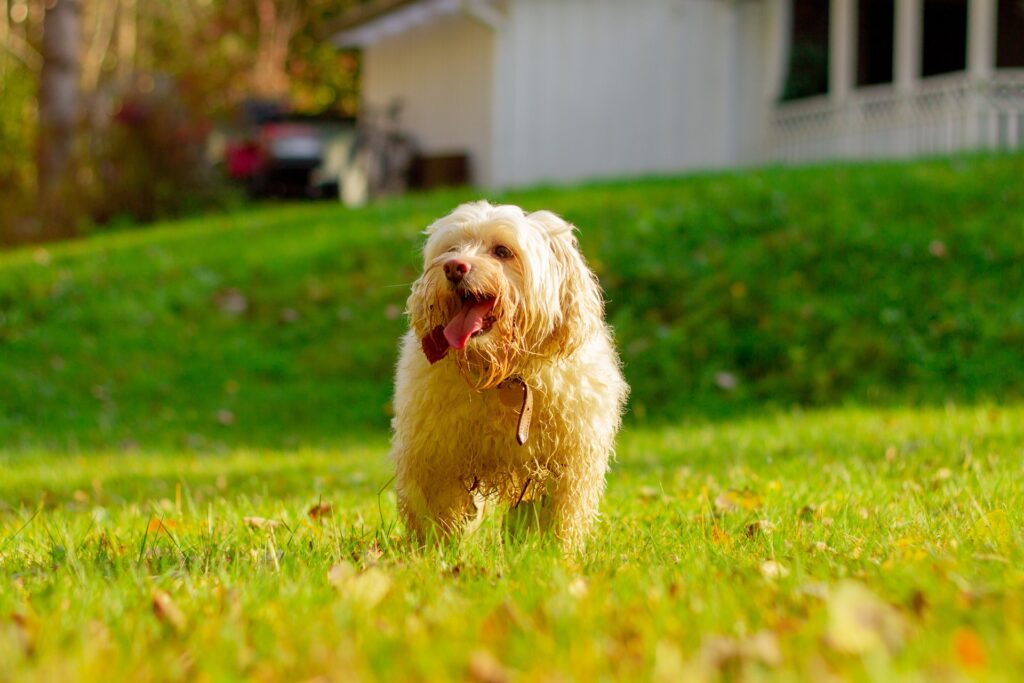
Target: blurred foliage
{"x": 876, "y": 284}
{"x": 156, "y": 78}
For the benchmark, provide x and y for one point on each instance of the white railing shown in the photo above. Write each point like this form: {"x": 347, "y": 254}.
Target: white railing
{"x": 939, "y": 115}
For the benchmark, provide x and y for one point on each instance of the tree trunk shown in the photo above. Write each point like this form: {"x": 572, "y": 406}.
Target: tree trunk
{"x": 58, "y": 113}
{"x": 276, "y": 23}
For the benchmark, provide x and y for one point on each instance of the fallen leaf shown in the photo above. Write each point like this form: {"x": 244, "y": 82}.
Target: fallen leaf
{"x": 26, "y": 627}
{"x": 761, "y": 526}
{"x": 485, "y": 668}
{"x": 366, "y": 589}
{"x": 730, "y": 500}
{"x": 719, "y": 536}
{"x": 373, "y": 554}
{"x": 919, "y": 603}
{"x": 649, "y": 493}
{"x": 860, "y": 622}
{"x": 720, "y": 655}
{"x": 320, "y": 512}
{"x": 340, "y": 573}
{"x": 970, "y": 651}
{"x": 156, "y": 524}
{"x": 774, "y": 570}
{"x": 261, "y": 522}
{"x": 726, "y": 381}
{"x": 167, "y": 612}
{"x": 231, "y": 302}
{"x": 669, "y": 665}
{"x": 578, "y": 587}
{"x": 993, "y": 526}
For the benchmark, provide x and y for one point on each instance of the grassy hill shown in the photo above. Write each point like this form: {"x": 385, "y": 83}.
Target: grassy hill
{"x": 896, "y": 283}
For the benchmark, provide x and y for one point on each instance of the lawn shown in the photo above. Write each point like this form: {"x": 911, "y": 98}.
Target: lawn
{"x": 820, "y": 476}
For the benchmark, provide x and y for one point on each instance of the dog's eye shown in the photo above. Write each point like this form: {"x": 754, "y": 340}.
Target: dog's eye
{"x": 502, "y": 252}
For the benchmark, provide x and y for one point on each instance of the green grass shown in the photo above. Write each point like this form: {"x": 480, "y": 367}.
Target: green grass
{"x": 921, "y": 508}
{"x": 851, "y": 507}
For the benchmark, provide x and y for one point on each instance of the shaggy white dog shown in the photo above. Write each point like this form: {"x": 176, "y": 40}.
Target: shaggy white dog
{"x": 508, "y": 385}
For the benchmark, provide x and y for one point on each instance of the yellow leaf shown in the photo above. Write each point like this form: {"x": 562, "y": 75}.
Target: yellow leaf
{"x": 730, "y": 500}
{"x": 860, "y": 622}
{"x": 366, "y": 589}
{"x": 994, "y": 526}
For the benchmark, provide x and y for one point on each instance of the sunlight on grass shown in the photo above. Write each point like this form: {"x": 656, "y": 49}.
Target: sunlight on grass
{"x": 852, "y": 541}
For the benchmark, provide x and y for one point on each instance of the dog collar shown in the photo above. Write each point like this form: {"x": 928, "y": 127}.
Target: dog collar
{"x": 515, "y": 393}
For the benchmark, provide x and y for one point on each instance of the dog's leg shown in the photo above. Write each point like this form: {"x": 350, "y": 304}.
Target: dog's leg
{"x": 575, "y": 498}
{"x": 433, "y": 505}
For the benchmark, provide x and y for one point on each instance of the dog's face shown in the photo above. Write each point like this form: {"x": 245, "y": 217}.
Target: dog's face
{"x": 500, "y": 288}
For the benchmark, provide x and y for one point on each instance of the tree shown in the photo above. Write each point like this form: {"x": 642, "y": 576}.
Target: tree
{"x": 58, "y": 110}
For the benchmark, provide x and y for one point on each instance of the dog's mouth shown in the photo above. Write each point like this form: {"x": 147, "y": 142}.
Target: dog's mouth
{"x": 475, "y": 317}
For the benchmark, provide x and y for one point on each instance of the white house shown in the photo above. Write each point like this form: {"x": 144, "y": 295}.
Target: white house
{"x": 562, "y": 90}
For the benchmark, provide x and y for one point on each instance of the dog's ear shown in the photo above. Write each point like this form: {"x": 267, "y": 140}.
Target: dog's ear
{"x": 581, "y": 303}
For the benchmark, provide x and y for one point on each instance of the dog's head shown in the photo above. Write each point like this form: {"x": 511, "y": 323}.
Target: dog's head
{"x": 501, "y": 288}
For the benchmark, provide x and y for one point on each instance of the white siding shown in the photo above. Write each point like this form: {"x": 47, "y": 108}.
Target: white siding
{"x": 442, "y": 72}
{"x": 598, "y": 88}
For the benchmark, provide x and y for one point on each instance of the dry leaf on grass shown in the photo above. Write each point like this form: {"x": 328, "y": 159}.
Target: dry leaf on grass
{"x": 261, "y": 522}
{"x": 485, "y": 668}
{"x": 26, "y": 626}
{"x": 761, "y": 526}
{"x": 367, "y": 588}
{"x": 728, "y": 501}
{"x": 578, "y": 587}
{"x": 320, "y": 512}
{"x": 994, "y": 527}
{"x": 718, "y": 656}
{"x": 167, "y": 612}
{"x": 860, "y": 622}
{"x": 771, "y": 569}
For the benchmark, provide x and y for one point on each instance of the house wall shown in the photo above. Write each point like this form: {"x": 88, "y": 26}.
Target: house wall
{"x": 442, "y": 72}
{"x": 600, "y": 88}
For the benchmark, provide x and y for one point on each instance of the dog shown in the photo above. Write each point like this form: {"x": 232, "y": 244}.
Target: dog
{"x": 508, "y": 386}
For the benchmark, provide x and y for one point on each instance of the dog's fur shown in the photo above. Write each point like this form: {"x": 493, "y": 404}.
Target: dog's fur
{"x": 453, "y": 437}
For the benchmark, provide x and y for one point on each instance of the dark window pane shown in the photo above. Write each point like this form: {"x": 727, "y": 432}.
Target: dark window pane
{"x": 808, "y": 50}
{"x": 944, "y": 38}
{"x": 875, "y": 31}
{"x": 1010, "y": 36}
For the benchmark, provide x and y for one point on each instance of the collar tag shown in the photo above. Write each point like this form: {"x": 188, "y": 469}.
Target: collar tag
{"x": 514, "y": 392}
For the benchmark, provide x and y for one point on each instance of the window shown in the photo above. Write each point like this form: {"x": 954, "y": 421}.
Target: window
{"x": 944, "y": 37}
{"x": 808, "y": 54}
{"x": 1010, "y": 34}
{"x": 875, "y": 35}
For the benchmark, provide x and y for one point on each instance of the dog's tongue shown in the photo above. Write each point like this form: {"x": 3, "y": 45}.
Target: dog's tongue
{"x": 467, "y": 321}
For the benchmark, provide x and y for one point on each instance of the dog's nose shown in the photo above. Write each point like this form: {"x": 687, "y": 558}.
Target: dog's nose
{"x": 456, "y": 269}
